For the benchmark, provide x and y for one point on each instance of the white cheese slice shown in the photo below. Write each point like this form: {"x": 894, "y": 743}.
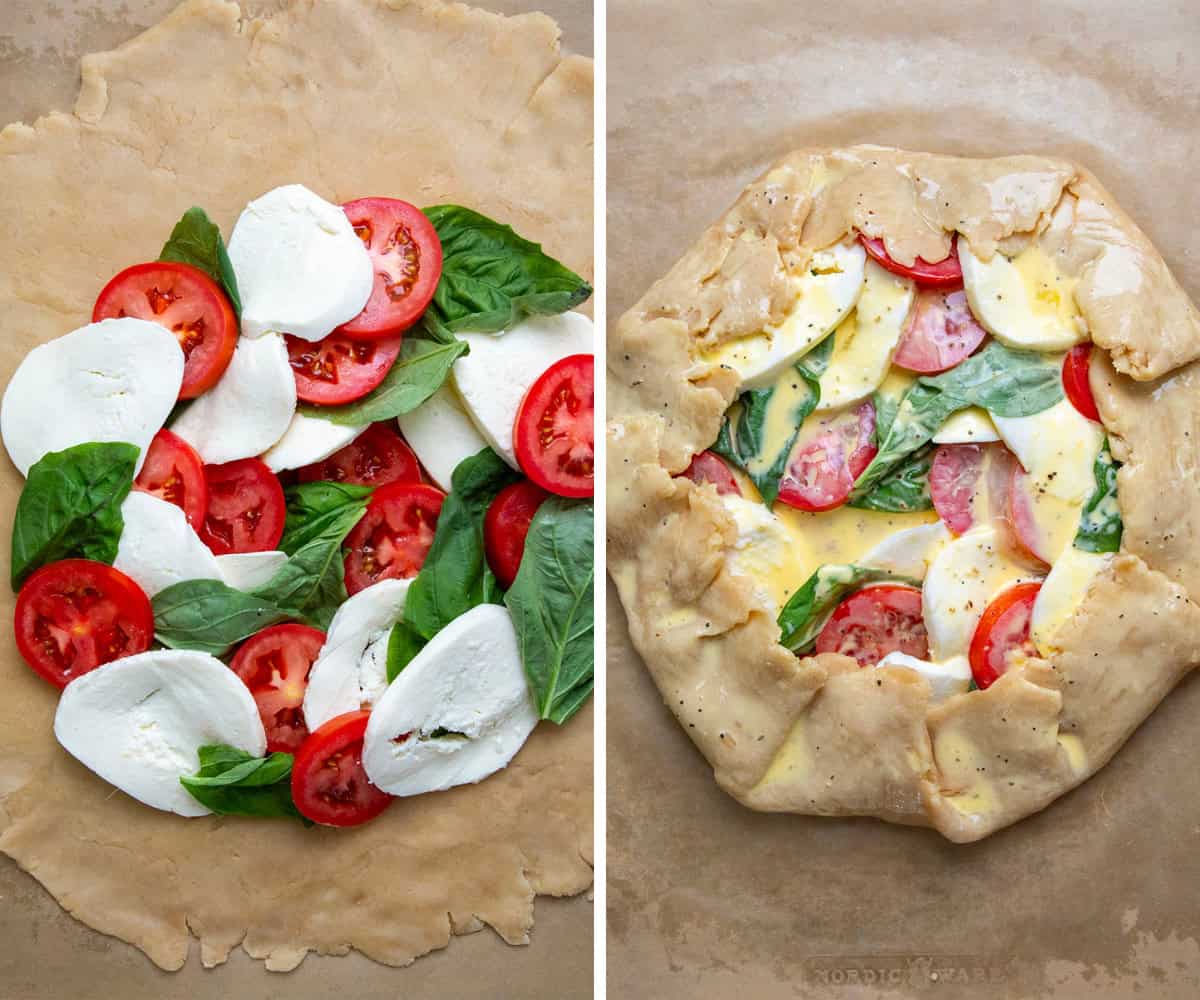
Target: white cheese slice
{"x": 764, "y": 547}
{"x": 115, "y": 380}
{"x": 248, "y": 410}
{"x": 952, "y": 676}
{"x": 1062, "y": 593}
{"x": 300, "y": 267}
{"x": 494, "y": 377}
{"x": 441, "y": 434}
{"x": 139, "y": 722}
{"x": 158, "y": 547}
{"x": 307, "y": 440}
{"x": 247, "y": 571}
{"x": 1057, "y": 447}
{"x": 969, "y": 426}
{"x": 469, "y": 682}
{"x": 910, "y": 551}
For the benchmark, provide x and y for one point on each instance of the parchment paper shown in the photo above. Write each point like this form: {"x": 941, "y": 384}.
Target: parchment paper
{"x": 1095, "y": 897}
{"x": 524, "y": 107}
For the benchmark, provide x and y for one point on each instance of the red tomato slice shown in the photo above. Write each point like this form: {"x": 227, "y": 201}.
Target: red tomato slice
{"x": 339, "y": 369}
{"x": 175, "y": 473}
{"x": 821, "y": 471}
{"x": 1028, "y": 534}
{"x": 876, "y": 621}
{"x": 1076, "y": 366}
{"x": 709, "y": 467}
{"x": 1003, "y": 629}
{"x": 329, "y": 784}
{"x": 376, "y": 457}
{"x": 953, "y": 481}
{"x": 76, "y": 614}
{"x": 554, "y": 432}
{"x": 246, "y": 509}
{"x": 393, "y": 537}
{"x": 407, "y": 256}
{"x": 505, "y": 526}
{"x": 938, "y": 275}
{"x": 275, "y": 665}
{"x": 940, "y": 333}
{"x": 188, "y": 303}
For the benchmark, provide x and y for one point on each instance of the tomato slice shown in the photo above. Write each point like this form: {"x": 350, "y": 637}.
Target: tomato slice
{"x": 939, "y": 334}
{"x": 188, "y": 303}
{"x": 339, "y": 369}
{"x": 875, "y": 621}
{"x": 393, "y": 537}
{"x": 246, "y": 509}
{"x": 329, "y": 783}
{"x": 76, "y": 614}
{"x": 274, "y": 664}
{"x": 376, "y": 457}
{"x": 1076, "y": 366}
{"x": 822, "y": 469}
{"x": 407, "y": 256}
{"x": 1003, "y": 629}
{"x": 953, "y": 482}
{"x": 505, "y": 526}
{"x": 174, "y": 472}
{"x": 940, "y": 274}
{"x": 554, "y": 433}
{"x": 709, "y": 467}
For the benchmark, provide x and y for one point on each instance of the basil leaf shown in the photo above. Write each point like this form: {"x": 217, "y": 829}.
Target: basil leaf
{"x": 807, "y": 610}
{"x": 230, "y": 782}
{"x": 886, "y": 407}
{"x": 196, "y": 240}
{"x": 419, "y": 371}
{"x": 922, "y": 411}
{"x": 492, "y": 278}
{"x": 1005, "y": 382}
{"x": 403, "y": 644}
{"x": 1100, "y": 524}
{"x": 71, "y": 506}
{"x": 816, "y": 361}
{"x": 551, "y": 606}
{"x": 904, "y": 489}
{"x": 209, "y": 616}
{"x": 455, "y": 576}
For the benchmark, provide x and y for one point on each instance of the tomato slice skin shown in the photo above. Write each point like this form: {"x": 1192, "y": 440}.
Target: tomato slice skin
{"x": 274, "y": 664}
{"x": 506, "y": 525}
{"x": 394, "y": 535}
{"x": 246, "y": 507}
{"x": 340, "y": 369}
{"x": 953, "y": 479}
{"x": 875, "y": 621}
{"x": 941, "y": 274}
{"x": 1076, "y": 384}
{"x": 173, "y": 471}
{"x": 377, "y": 457}
{"x": 821, "y": 472}
{"x": 940, "y": 332}
{"x": 188, "y": 303}
{"x": 407, "y": 256}
{"x": 709, "y": 467}
{"x": 554, "y": 430}
{"x": 76, "y": 614}
{"x": 1004, "y": 627}
{"x": 329, "y": 784}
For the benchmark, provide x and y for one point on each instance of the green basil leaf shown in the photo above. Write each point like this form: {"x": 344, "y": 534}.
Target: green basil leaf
{"x": 807, "y": 610}
{"x": 455, "y": 576}
{"x": 71, "y": 506}
{"x": 1100, "y": 524}
{"x": 551, "y": 606}
{"x": 1005, "y": 382}
{"x": 404, "y": 643}
{"x": 230, "y": 782}
{"x": 905, "y": 488}
{"x": 816, "y": 361}
{"x": 886, "y": 407}
{"x": 921, "y": 412}
{"x": 310, "y": 507}
{"x": 209, "y": 616}
{"x": 492, "y": 278}
{"x": 196, "y": 240}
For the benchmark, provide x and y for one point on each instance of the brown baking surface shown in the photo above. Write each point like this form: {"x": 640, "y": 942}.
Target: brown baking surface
{"x": 1094, "y": 897}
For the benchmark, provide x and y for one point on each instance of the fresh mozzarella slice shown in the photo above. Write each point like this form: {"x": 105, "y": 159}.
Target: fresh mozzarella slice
{"x": 300, "y": 267}
{"x": 961, "y": 582}
{"x": 493, "y": 378}
{"x": 866, "y": 339}
{"x": 115, "y": 380}
{"x": 1057, "y": 447}
{"x": 343, "y": 677}
{"x": 764, "y": 549}
{"x": 139, "y": 722}
{"x": 953, "y": 676}
{"x": 158, "y": 547}
{"x": 1025, "y": 302}
{"x": 910, "y": 551}
{"x": 250, "y": 570}
{"x": 458, "y": 712}
{"x": 825, "y": 293}
{"x": 969, "y": 426}
{"x": 441, "y": 434}
{"x": 248, "y": 410}
{"x": 308, "y": 440}
{"x": 1062, "y": 592}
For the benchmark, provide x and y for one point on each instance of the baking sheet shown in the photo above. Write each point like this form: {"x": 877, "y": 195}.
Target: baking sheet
{"x": 1094, "y": 897}
{"x": 47, "y": 954}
